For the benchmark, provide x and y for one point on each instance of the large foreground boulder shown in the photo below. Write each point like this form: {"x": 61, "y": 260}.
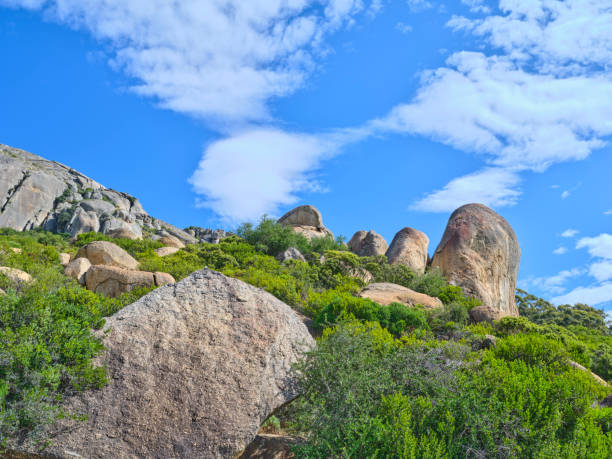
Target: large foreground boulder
{"x": 368, "y": 244}
{"x": 108, "y": 254}
{"x": 386, "y": 293}
{"x": 409, "y": 248}
{"x": 480, "y": 253}
{"x": 307, "y": 221}
{"x": 194, "y": 369}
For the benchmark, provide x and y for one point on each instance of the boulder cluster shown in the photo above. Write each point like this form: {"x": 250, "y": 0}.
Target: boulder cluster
{"x": 107, "y": 269}
{"x": 478, "y": 252}
{"x": 37, "y": 193}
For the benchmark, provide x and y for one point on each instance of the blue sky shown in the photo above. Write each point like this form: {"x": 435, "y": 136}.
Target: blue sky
{"x": 381, "y": 113}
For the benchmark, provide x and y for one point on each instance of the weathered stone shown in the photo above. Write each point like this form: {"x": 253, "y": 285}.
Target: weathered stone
{"x": 480, "y": 253}
{"x": 163, "y": 279}
{"x": 165, "y": 251}
{"x": 83, "y": 222}
{"x": 302, "y": 216}
{"x": 207, "y": 235}
{"x": 194, "y": 369}
{"x": 124, "y": 233}
{"x": 291, "y": 254}
{"x": 112, "y": 281}
{"x": 107, "y": 253}
{"x": 16, "y": 276}
{"x": 17, "y": 250}
{"x": 409, "y": 248}
{"x": 386, "y": 293}
{"x": 2, "y": 292}
{"x": 36, "y": 193}
{"x": 98, "y": 206}
{"x": 368, "y": 244}
{"x": 77, "y": 269}
{"x": 310, "y": 232}
{"x": 485, "y": 314}
{"x": 307, "y": 221}
{"x": 172, "y": 241}
{"x": 64, "y": 259}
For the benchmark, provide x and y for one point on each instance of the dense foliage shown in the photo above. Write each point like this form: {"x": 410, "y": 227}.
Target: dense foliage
{"x": 369, "y": 395}
{"x": 390, "y": 381}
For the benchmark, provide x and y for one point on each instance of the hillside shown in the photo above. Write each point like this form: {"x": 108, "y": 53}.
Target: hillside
{"x": 161, "y": 345}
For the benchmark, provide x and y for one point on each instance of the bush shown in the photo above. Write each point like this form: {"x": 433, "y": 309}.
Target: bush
{"x": 273, "y": 238}
{"x": 396, "y": 318}
{"x": 368, "y": 395}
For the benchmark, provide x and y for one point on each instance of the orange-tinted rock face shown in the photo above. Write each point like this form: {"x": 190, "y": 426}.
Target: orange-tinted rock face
{"x": 409, "y": 247}
{"x": 480, "y": 253}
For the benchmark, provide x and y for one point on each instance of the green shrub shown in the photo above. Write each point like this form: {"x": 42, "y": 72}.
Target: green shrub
{"x": 396, "y": 318}
{"x": 367, "y": 395}
{"x": 273, "y": 238}
{"x": 136, "y": 248}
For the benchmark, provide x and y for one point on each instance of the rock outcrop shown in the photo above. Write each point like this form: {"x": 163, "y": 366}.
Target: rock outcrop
{"x": 409, "y": 247}
{"x": 64, "y": 259}
{"x": 165, "y": 251}
{"x": 36, "y": 193}
{"x": 480, "y": 253}
{"x": 16, "y": 276}
{"x": 291, "y": 254}
{"x": 207, "y": 235}
{"x": 194, "y": 369}
{"x": 112, "y": 281}
{"x": 108, "y": 254}
{"x": 368, "y": 244}
{"x": 172, "y": 241}
{"x": 386, "y": 293}
{"x": 306, "y": 220}
{"x": 77, "y": 269}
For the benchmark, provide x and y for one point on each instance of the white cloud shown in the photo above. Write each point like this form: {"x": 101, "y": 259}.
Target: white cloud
{"x": 569, "y": 233}
{"x": 477, "y": 6}
{"x": 598, "y": 246}
{"x": 254, "y": 172}
{"x": 555, "y": 285}
{"x": 593, "y": 296}
{"x": 565, "y": 194}
{"x": 403, "y": 27}
{"x": 560, "y": 250}
{"x": 541, "y": 100}
{"x": 493, "y": 187}
{"x": 222, "y": 60}
{"x": 608, "y": 212}
{"x": 419, "y": 5}
{"x": 601, "y": 270}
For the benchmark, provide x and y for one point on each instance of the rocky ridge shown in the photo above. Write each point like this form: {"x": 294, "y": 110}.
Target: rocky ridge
{"x": 37, "y": 193}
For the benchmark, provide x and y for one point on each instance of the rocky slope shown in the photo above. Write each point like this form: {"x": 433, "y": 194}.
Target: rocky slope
{"x": 37, "y": 193}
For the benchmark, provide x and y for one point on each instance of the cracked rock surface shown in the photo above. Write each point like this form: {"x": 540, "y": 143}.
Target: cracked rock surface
{"x": 35, "y": 192}
{"x": 194, "y": 369}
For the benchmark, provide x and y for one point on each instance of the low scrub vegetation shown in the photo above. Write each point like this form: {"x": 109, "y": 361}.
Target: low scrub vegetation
{"x": 384, "y": 382}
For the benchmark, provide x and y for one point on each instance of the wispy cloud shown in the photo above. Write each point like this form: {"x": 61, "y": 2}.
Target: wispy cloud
{"x": 608, "y": 212}
{"x": 493, "y": 187}
{"x": 535, "y": 103}
{"x": 565, "y": 194}
{"x": 403, "y": 27}
{"x": 600, "y": 248}
{"x": 569, "y": 233}
{"x": 220, "y": 60}
{"x": 560, "y": 250}
{"x": 554, "y": 285}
